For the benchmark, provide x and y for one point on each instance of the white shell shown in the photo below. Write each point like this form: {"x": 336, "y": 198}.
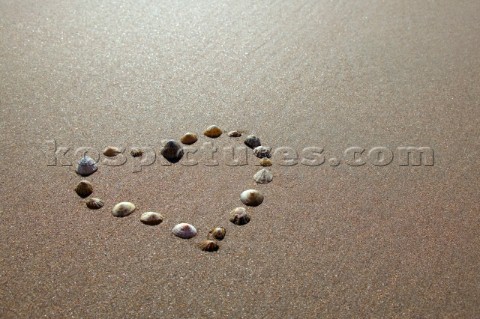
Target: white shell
{"x": 123, "y": 209}
{"x": 151, "y": 218}
{"x": 251, "y": 197}
{"x": 263, "y": 176}
{"x": 86, "y": 166}
{"x": 184, "y": 230}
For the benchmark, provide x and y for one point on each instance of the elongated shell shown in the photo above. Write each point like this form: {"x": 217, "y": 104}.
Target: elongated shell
{"x": 213, "y": 131}
{"x": 86, "y": 166}
{"x": 94, "y": 203}
{"x": 189, "y": 138}
{"x": 184, "y": 230}
{"x": 111, "y": 151}
{"x": 123, "y": 209}
{"x": 151, "y": 218}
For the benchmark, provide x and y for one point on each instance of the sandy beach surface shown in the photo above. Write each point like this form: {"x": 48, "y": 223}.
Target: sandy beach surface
{"x": 329, "y": 241}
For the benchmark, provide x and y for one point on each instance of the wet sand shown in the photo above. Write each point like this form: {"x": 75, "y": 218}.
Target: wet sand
{"x": 328, "y": 241}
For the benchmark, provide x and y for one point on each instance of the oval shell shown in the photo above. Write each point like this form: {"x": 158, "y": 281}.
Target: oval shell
{"x": 252, "y": 141}
{"x": 208, "y": 245}
{"x": 84, "y": 189}
{"x": 239, "y": 216}
{"x": 234, "y": 134}
{"x": 265, "y": 162}
{"x": 123, "y": 209}
{"x": 251, "y": 197}
{"x": 213, "y": 131}
{"x": 184, "y": 230}
{"x": 111, "y": 151}
{"x": 94, "y": 203}
{"x": 189, "y": 138}
{"x": 151, "y": 218}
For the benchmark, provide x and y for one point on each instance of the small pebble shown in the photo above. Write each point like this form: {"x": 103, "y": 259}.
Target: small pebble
{"x": 123, "y": 209}
{"x": 151, "y": 218}
{"x": 234, "y": 134}
{"x": 252, "y": 141}
{"x": 239, "y": 216}
{"x": 208, "y": 245}
{"x": 189, "y": 138}
{"x": 136, "y": 152}
{"x": 86, "y": 166}
{"x": 251, "y": 197}
{"x": 111, "y": 151}
{"x": 265, "y": 162}
{"x": 184, "y": 230}
{"x": 94, "y": 203}
{"x": 213, "y": 131}
{"x": 172, "y": 151}
{"x": 84, "y": 189}
{"x": 217, "y": 233}
{"x": 263, "y": 176}
{"x": 262, "y": 151}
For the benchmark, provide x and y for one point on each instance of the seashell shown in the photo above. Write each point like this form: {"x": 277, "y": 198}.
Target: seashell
{"x": 262, "y": 151}
{"x": 86, "y": 166}
{"x": 151, "y": 218}
{"x": 189, "y": 138}
{"x": 208, "y": 245}
{"x": 123, "y": 209}
{"x": 217, "y": 233}
{"x": 84, "y": 189}
{"x": 136, "y": 152}
{"x": 263, "y": 176}
{"x": 265, "y": 162}
{"x": 251, "y": 197}
{"x": 184, "y": 230}
{"x": 234, "y": 134}
{"x": 94, "y": 203}
{"x": 252, "y": 141}
{"x": 172, "y": 151}
{"x": 239, "y": 216}
{"x": 213, "y": 131}
{"x": 111, "y": 151}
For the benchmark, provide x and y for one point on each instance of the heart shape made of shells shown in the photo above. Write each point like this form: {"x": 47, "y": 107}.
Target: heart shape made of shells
{"x": 173, "y": 152}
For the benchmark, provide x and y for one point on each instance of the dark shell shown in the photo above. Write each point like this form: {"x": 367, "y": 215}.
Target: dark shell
{"x": 239, "y": 216}
{"x": 252, "y": 141}
{"x": 172, "y": 151}
{"x": 84, "y": 189}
